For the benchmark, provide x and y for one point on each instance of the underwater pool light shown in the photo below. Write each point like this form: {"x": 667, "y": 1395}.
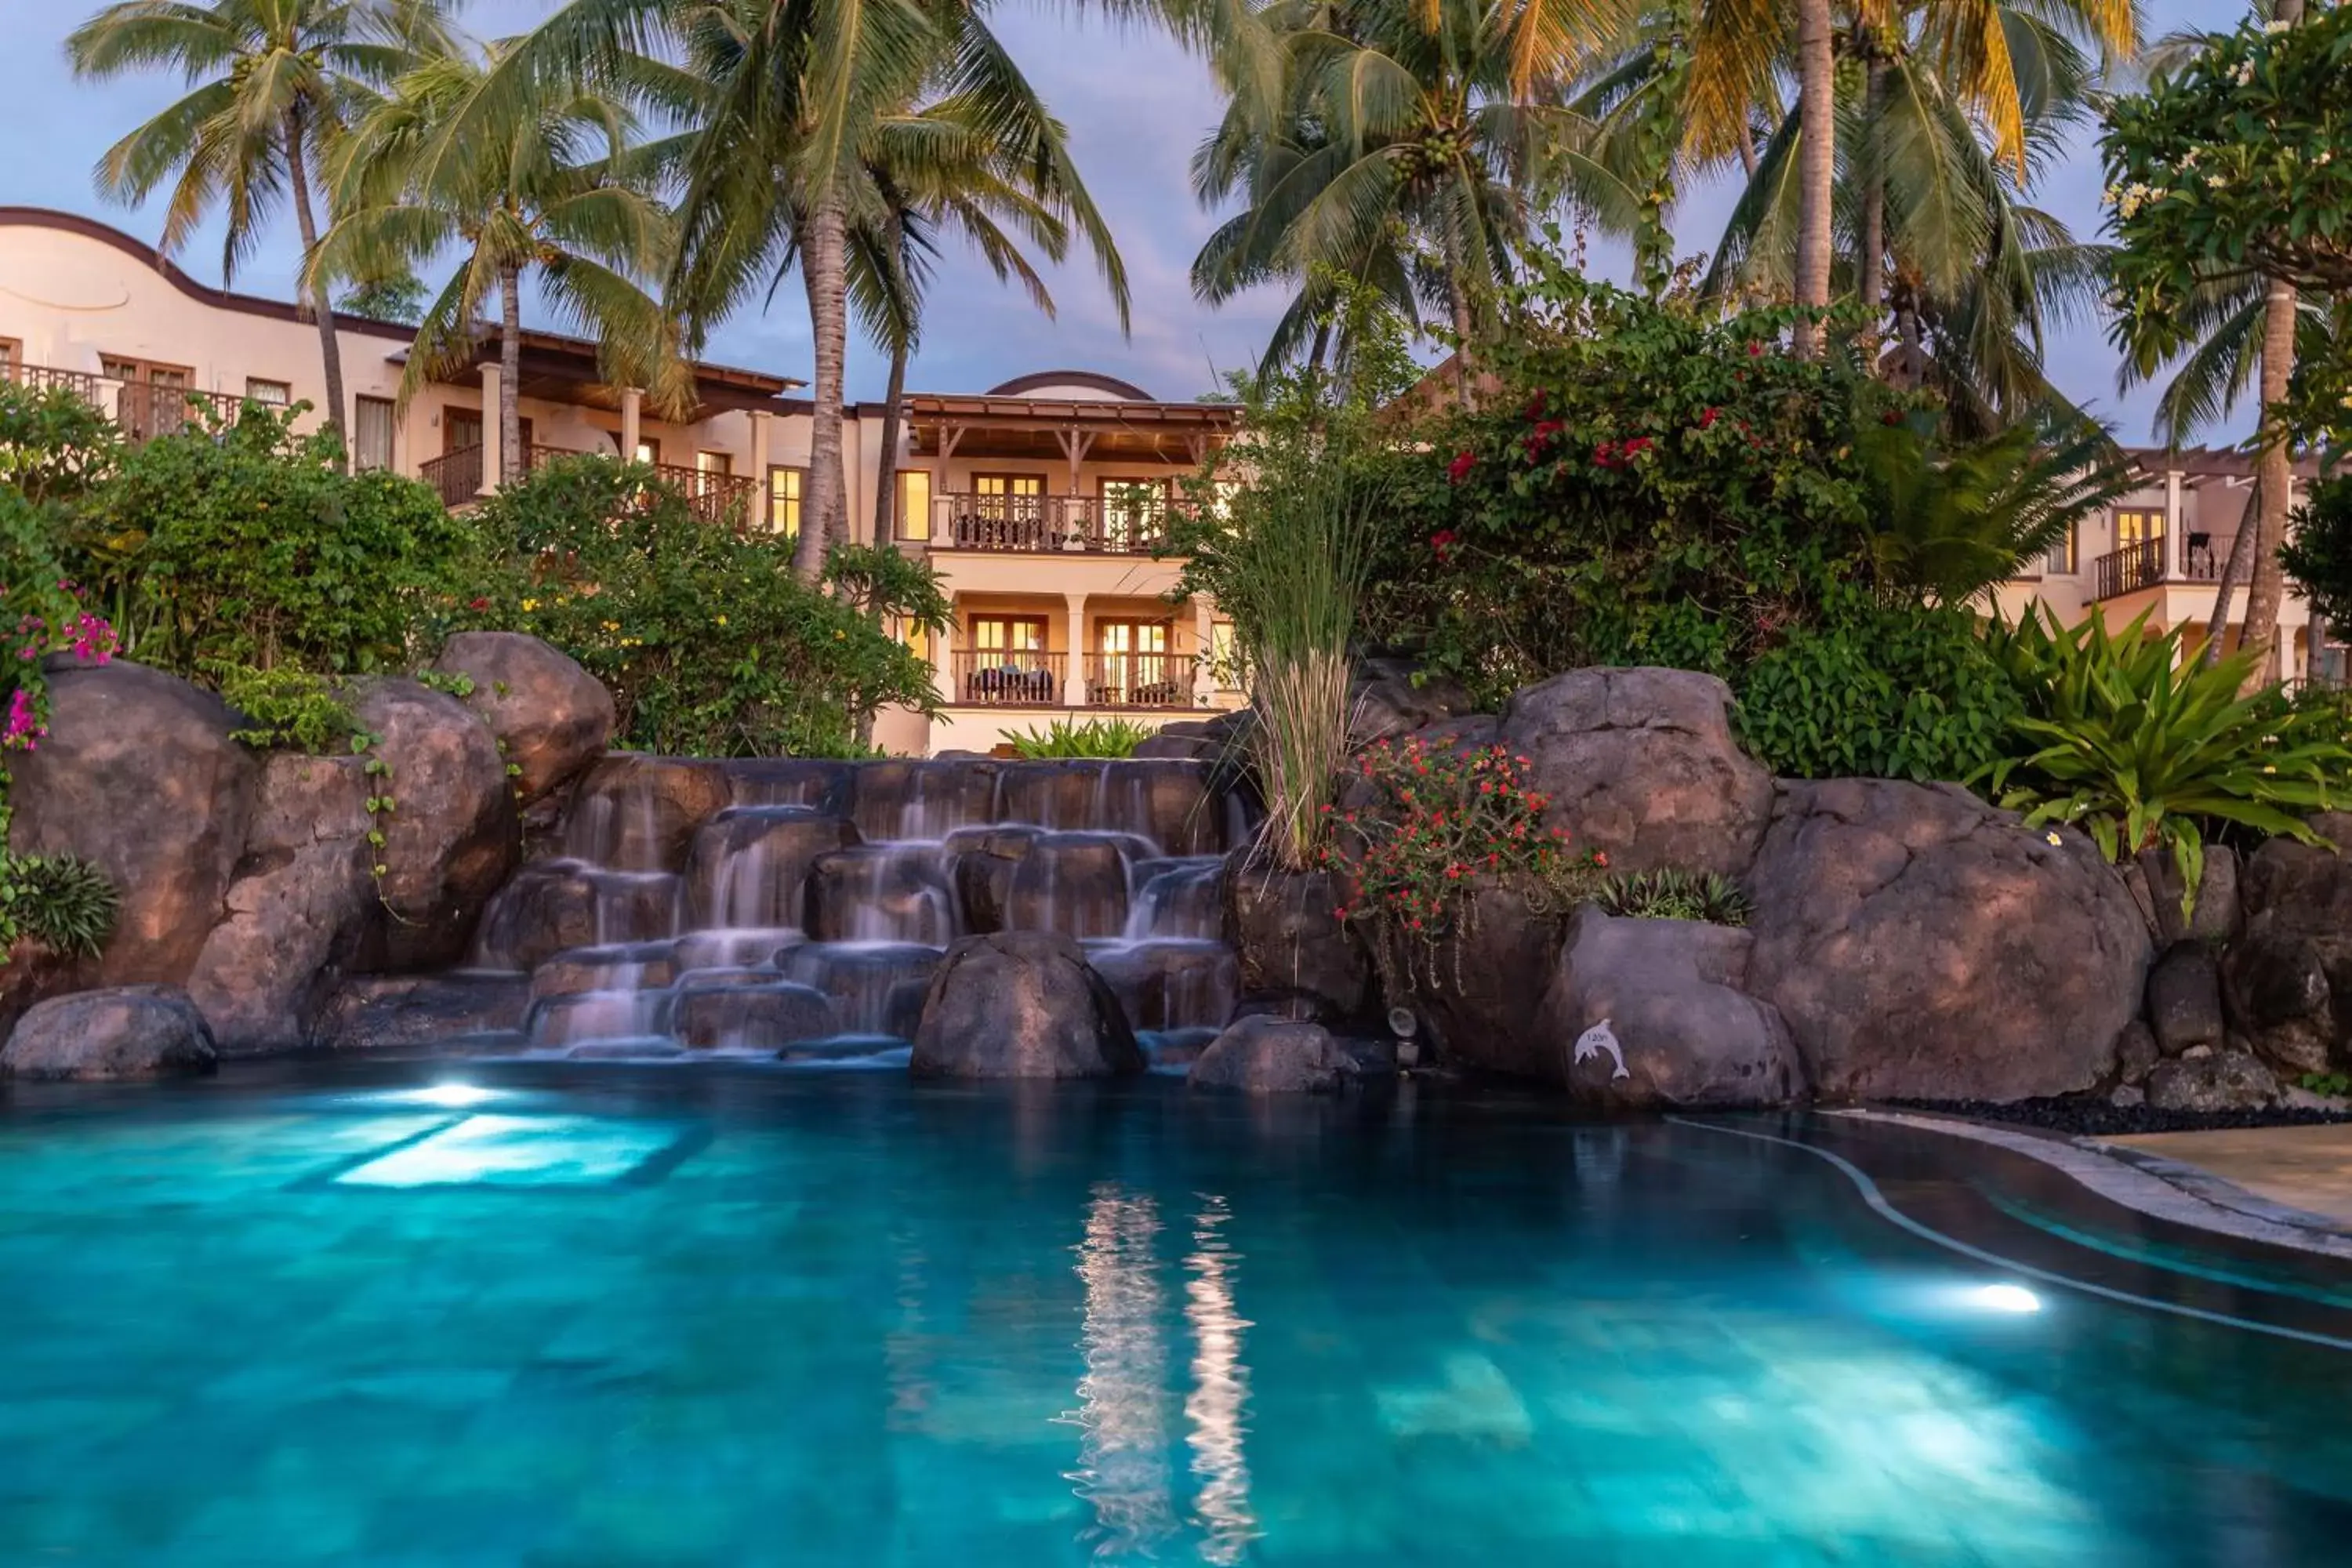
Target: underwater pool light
{"x": 2008, "y": 1299}
{"x": 455, "y": 1096}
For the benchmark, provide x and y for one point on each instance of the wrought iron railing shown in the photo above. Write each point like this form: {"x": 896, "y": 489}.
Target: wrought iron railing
{"x": 1004, "y": 678}
{"x": 1053, "y": 524}
{"x": 455, "y": 477}
{"x": 2126, "y": 570}
{"x": 142, "y": 410}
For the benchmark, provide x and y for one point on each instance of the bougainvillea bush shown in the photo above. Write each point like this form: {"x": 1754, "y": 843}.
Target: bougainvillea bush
{"x": 1633, "y": 482}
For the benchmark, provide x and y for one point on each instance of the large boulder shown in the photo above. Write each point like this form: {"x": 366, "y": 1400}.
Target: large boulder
{"x": 298, "y": 909}
{"x": 550, "y": 716}
{"x": 2215, "y": 915}
{"x": 1393, "y": 697}
{"x": 1480, "y": 987}
{"x": 124, "y": 1032}
{"x": 2281, "y": 998}
{"x": 1642, "y": 763}
{"x": 1922, "y": 944}
{"x": 419, "y": 1012}
{"x": 1287, "y": 938}
{"x": 139, "y": 774}
{"x": 2212, "y": 1081}
{"x": 1021, "y": 1004}
{"x": 1668, "y": 994}
{"x": 2184, "y": 998}
{"x": 766, "y": 1013}
{"x": 452, "y": 835}
{"x": 1260, "y": 1054}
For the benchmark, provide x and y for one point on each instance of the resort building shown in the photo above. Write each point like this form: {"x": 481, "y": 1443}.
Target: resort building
{"x": 1041, "y": 502}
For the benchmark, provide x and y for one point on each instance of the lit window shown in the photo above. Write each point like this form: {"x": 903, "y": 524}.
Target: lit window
{"x": 275, "y": 393}
{"x": 371, "y": 433}
{"x": 914, "y": 503}
{"x": 2061, "y": 561}
{"x": 714, "y": 462}
{"x": 785, "y": 502}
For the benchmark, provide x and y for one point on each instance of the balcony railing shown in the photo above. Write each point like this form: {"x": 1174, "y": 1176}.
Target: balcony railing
{"x": 142, "y": 410}
{"x": 1138, "y": 680}
{"x": 457, "y": 476}
{"x": 1053, "y": 524}
{"x": 2141, "y": 566}
{"x": 999, "y": 678}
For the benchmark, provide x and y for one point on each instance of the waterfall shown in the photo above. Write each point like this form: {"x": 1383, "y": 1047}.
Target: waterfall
{"x": 782, "y": 907}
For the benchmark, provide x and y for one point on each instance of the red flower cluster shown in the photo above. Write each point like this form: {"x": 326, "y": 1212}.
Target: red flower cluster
{"x": 1459, "y": 468}
{"x": 1618, "y": 454}
{"x": 1534, "y": 409}
{"x": 1540, "y": 438}
{"x": 1708, "y": 416}
{"x": 1441, "y": 543}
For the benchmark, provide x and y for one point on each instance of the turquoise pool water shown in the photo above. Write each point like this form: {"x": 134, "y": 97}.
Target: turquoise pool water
{"x": 607, "y": 1317}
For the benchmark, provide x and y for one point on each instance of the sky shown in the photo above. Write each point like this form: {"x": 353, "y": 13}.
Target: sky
{"x": 1136, "y": 106}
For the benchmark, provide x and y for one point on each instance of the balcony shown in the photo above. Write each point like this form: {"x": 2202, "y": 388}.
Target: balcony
{"x": 142, "y": 410}
{"x": 1005, "y": 678}
{"x": 456, "y": 477}
{"x": 1138, "y": 680}
{"x": 1049, "y": 525}
{"x": 2142, "y": 566}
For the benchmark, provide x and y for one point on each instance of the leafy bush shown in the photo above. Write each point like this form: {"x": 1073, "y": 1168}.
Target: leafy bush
{"x": 710, "y": 647}
{"x": 1902, "y": 693}
{"x": 2126, "y": 741}
{"x": 2318, "y": 549}
{"x": 1430, "y": 823}
{"x": 242, "y": 542}
{"x": 1675, "y": 895}
{"x": 286, "y": 707}
{"x": 1095, "y": 738}
{"x": 62, "y": 900}
{"x": 54, "y": 446}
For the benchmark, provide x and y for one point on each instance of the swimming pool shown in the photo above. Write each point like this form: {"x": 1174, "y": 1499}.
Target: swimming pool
{"x": 390, "y": 1314}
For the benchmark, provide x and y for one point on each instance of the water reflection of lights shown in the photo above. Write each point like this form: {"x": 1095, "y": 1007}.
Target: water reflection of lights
{"x": 451, "y": 1096}
{"x": 1220, "y": 1391}
{"x": 1122, "y": 1470}
{"x": 2008, "y": 1299}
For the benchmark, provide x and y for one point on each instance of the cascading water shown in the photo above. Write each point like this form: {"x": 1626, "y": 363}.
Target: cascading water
{"x": 800, "y": 909}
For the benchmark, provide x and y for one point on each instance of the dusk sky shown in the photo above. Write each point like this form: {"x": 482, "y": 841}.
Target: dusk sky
{"x": 1136, "y": 106}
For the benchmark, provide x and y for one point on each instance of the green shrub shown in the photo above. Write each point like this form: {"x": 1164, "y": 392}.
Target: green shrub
{"x": 1902, "y": 693}
{"x": 708, "y": 644}
{"x": 1095, "y": 738}
{"x": 2123, "y": 740}
{"x": 1675, "y": 895}
{"x": 286, "y": 707}
{"x": 55, "y": 447}
{"x": 62, "y": 899}
{"x": 241, "y": 542}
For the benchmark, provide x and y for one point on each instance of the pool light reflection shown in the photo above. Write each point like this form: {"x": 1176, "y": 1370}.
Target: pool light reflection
{"x": 454, "y": 1096}
{"x": 2008, "y": 1299}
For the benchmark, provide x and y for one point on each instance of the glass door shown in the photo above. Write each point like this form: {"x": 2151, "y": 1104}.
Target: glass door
{"x": 1131, "y": 511}
{"x": 1009, "y": 510}
{"x": 1131, "y": 666}
{"x": 1009, "y": 662}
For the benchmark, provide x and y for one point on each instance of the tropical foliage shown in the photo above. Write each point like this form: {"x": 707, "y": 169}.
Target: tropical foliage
{"x": 1093, "y": 738}
{"x": 2142, "y": 749}
{"x": 1675, "y": 895}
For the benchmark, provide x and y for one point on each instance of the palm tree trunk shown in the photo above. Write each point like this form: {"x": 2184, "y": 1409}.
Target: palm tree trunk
{"x": 2233, "y": 572}
{"x": 1816, "y": 113}
{"x": 512, "y": 455}
{"x": 330, "y": 347}
{"x": 886, "y": 472}
{"x": 1746, "y": 149}
{"x": 1870, "y": 265}
{"x": 2276, "y": 472}
{"x": 823, "y": 270}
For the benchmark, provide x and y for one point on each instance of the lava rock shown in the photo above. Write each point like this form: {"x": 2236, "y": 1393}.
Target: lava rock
{"x": 763, "y": 1016}
{"x": 1289, "y": 941}
{"x": 2224, "y": 1080}
{"x": 880, "y": 892}
{"x": 122, "y": 1032}
{"x": 453, "y": 836}
{"x": 551, "y": 717}
{"x": 1021, "y": 1004}
{"x": 1267, "y": 1056}
{"x": 2218, "y": 915}
{"x": 749, "y": 866}
{"x": 139, "y": 775}
{"x": 1922, "y": 944}
{"x": 636, "y": 812}
{"x": 621, "y": 967}
{"x": 417, "y": 1012}
{"x": 2281, "y": 997}
{"x": 2184, "y": 998}
{"x": 1075, "y": 883}
{"x": 985, "y": 861}
{"x": 1480, "y": 988}
{"x": 1668, "y": 992}
{"x": 1393, "y": 697}
{"x": 1642, "y": 763}
{"x": 2136, "y": 1052}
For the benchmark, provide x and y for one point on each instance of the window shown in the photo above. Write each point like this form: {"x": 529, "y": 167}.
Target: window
{"x": 2063, "y": 557}
{"x": 275, "y": 393}
{"x": 714, "y": 462}
{"x": 914, "y": 503}
{"x": 149, "y": 373}
{"x": 460, "y": 428}
{"x": 152, "y": 401}
{"x": 1008, "y": 633}
{"x": 784, "y": 500}
{"x": 2137, "y": 528}
{"x": 649, "y": 449}
{"x": 1130, "y": 511}
{"x": 371, "y": 433}
{"x": 916, "y": 637}
{"x": 12, "y": 358}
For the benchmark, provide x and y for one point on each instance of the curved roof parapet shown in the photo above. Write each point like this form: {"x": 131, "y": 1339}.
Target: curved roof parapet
{"x": 1093, "y": 381}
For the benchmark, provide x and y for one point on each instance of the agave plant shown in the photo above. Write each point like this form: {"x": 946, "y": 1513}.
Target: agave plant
{"x": 1671, "y": 894}
{"x": 2140, "y": 748}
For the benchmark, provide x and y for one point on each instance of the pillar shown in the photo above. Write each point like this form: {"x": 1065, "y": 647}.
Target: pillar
{"x": 2176, "y": 539}
{"x": 633, "y": 422}
{"x": 761, "y": 499}
{"x": 942, "y": 654}
{"x": 1204, "y": 679}
{"x": 1074, "y": 675}
{"x": 493, "y": 431}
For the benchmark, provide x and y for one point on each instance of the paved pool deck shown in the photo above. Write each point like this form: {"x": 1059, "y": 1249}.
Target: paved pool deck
{"x": 2304, "y": 1168}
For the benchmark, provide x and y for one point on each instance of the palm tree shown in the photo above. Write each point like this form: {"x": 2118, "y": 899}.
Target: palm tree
{"x": 273, "y": 83}
{"x": 548, "y": 187}
{"x": 1817, "y": 163}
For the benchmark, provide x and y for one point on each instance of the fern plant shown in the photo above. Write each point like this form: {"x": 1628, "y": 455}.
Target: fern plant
{"x": 2141, "y": 749}
{"x": 1675, "y": 895}
{"x": 63, "y": 899}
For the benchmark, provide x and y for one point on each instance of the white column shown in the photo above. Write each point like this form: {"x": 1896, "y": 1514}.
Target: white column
{"x": 633, "y": 422}
{"x": 1204, "y": 679}
{"x": 493, "y": 431}
{"x": 2176, "y": 543}
{"x": 760, "y": 419}
{"x": 943, "y": 656}
{"x": 1074, "y": 675}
